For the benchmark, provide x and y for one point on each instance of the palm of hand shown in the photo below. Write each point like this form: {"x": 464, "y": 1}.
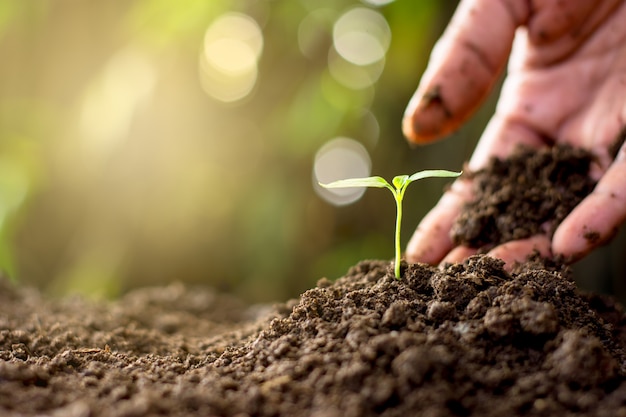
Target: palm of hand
{"x": 566, "y": 84}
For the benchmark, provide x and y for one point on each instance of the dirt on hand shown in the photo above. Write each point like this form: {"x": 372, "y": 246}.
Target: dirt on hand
{"x": 527, "y": 194}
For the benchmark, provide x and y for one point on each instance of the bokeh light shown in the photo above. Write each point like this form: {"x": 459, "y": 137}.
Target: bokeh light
{"x": 354, "y": 76}
{"x": 362, "y": 36}
{"x": 377, "y": 3}
{"x": 370, "y": 127}
{"x": 228, "y": 62}
{"x": 338, "y": 159}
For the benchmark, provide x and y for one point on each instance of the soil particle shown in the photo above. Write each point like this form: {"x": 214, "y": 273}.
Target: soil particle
{"x": 528, "y": 194}
{"x": 592, "y": 236}
{"x": 467, "y": 339}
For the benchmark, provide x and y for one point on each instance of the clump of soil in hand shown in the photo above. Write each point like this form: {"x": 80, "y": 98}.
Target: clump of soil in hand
{"x": 527, "y": 194}
{"x": 470, "y": 339}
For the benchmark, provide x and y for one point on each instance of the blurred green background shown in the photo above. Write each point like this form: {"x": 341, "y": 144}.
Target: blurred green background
{"x": 149, "y": 141}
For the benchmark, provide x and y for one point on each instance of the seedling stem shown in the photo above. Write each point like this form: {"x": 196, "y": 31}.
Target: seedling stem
{"x": 400, "y": 184}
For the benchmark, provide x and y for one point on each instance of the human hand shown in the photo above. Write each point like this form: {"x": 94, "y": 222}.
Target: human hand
{"x": 566, "y": 83}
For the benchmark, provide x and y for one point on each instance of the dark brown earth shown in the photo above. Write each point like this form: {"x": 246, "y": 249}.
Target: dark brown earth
{"x": 524, "y": 196}
{"x": 467, "y": 340}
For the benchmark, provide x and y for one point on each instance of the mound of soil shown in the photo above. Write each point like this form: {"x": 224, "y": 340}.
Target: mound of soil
{"x": 469, "y": 339}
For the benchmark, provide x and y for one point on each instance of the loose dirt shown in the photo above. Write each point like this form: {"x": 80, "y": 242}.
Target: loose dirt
{"x": 469, "y": 339}
{"x": 528, "y": 194}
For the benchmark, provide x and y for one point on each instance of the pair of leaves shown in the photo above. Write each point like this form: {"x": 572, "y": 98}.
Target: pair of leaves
{"x": 401, "y": 182}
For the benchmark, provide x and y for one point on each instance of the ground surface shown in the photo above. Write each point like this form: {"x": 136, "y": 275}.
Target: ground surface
{"x": 467, "y": 340}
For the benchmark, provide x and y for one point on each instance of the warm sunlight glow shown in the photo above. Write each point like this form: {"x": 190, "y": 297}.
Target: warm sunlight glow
{"x": 112, "y": 99}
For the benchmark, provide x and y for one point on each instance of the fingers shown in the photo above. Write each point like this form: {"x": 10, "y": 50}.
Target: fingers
{"x": 519, "y": 250}
{"x": 553, "y": 19}
{"x": 431, "y": 240}
{"x": 596, "y": 219}
{"x": 459, "y": 254}
{"x": 463, "y": 67}
{"x": 558, "y": 29}
{"x": 509, "y": 252}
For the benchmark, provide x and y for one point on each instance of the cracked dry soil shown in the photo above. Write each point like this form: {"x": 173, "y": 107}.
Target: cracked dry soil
{"x": 466, "y": 340}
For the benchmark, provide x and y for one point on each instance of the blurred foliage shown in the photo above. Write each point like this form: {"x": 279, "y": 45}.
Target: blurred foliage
{"x": 124, "y": 161}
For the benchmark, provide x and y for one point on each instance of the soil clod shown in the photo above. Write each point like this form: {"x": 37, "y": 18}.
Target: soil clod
{"x": 527, "y": 194}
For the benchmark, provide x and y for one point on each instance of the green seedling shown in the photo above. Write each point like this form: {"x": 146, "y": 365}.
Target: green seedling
{"x": 400, "y": 184}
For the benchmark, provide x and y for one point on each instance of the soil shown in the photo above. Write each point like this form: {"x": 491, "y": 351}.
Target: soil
{"x": 468, "y": 339}
{"x": 526, "y": 195}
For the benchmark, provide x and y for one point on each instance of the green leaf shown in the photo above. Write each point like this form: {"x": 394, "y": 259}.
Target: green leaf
{"x": 400, "y": 181}
{"x": 433, "y": 173}
{"x": 377, "y": 182}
